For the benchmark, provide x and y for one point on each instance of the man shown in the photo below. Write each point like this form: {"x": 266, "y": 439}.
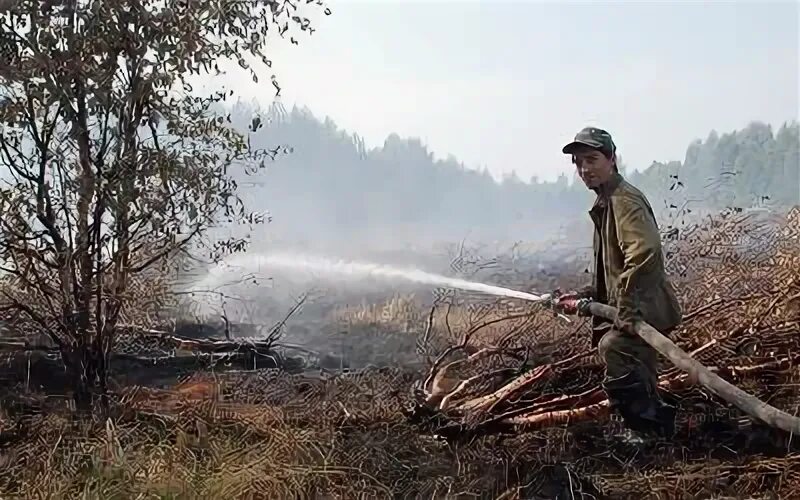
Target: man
{"x": 628, "y": 275}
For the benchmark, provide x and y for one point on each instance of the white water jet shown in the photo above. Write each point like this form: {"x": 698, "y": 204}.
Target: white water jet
{"x": 263, "y": 262}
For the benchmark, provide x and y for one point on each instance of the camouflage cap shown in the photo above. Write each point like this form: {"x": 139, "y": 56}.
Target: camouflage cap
{"x": 592, "y": 137}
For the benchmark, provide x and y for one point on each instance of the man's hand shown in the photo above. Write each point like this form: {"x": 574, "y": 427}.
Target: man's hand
{"x": 573, "y": 302}
{"x": 625, "y": 323}
{"x": 566, "y": 303}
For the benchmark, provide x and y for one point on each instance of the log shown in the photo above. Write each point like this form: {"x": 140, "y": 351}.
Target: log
{"x": 184, "y": 344}
{"x": 746, "y": 402}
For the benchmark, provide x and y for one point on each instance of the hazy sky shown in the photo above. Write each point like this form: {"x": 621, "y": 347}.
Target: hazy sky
{"x": 506, "y": 84}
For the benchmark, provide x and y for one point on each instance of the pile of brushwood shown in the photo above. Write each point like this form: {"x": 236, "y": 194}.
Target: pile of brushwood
{"x": 739, "y": 281}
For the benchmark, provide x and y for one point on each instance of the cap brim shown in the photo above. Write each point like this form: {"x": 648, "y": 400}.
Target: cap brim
{"x": 575, "y": 145}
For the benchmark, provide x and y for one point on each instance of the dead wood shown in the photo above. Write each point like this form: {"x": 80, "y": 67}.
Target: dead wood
{"x": 446, "y": 386}
{"x": 743, "y": 333}
{"x": 492, "y": 400}
{"x": 592, "y": 405}
{"x": 183, "y": 344}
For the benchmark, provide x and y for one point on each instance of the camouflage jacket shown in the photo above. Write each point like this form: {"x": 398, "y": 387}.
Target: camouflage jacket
{"x": 628, "y": 260}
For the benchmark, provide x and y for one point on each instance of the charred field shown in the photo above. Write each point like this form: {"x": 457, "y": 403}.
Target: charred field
{"x": 196, "y": 415}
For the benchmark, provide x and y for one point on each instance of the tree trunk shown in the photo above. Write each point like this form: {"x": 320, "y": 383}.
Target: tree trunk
{"x": 82, "y": 366}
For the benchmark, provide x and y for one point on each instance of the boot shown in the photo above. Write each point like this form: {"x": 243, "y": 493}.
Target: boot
{"x": 629, "y": 437}
{"x": 658, "y": 418}
{"x": 640, "y": 407}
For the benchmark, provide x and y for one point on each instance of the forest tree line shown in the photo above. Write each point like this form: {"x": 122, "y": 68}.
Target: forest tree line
{"x": 329, "y": 187}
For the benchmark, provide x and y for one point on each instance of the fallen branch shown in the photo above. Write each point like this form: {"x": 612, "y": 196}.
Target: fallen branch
{"x": 443, "y": 383}
{"x": 276, "y": 330}
{"x": 589, "y": 405}
{"x": 25, "y": 346}
{"x": 561, "y": 417}
{"x": 558, "y": 403}
{"x": 553, "y": 409}
{"x": 746, "y": 402}
{"x": 434, "y": 372}
{"x": 446, "y": 399}
{"x": 219, "y": 346}
{"x": 492, "y": 400}
{"x": 197, "y": 347}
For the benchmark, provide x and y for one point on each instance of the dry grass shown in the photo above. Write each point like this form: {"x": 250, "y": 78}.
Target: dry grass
{"x": 270, "y": 435}
{"x": 400, "y": 313}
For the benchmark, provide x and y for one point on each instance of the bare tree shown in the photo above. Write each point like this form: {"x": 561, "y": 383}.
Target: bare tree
{"x": 110, "y": 163}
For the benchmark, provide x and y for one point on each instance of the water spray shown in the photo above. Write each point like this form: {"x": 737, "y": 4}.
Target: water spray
{"x": 361, "y": 269}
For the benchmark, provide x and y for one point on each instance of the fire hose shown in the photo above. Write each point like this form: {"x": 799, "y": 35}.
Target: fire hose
{"x": 746, "y": 402}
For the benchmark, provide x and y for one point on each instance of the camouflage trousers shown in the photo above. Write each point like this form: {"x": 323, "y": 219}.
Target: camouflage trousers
{"x": 631, "y": 380}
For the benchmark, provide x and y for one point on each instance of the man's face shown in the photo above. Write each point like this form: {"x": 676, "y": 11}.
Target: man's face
{"x": 593, "y": 167}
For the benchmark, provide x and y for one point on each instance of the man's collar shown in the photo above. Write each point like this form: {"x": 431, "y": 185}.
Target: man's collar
{"x": 610, "y": 185}
{"x": 606, "y": 190}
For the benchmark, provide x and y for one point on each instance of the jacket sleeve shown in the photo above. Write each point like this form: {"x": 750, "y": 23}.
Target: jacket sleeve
{"x": 640, "y": 242}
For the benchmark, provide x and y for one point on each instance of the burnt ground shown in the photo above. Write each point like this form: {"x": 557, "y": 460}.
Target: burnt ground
{"x": 186, "y": 428}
